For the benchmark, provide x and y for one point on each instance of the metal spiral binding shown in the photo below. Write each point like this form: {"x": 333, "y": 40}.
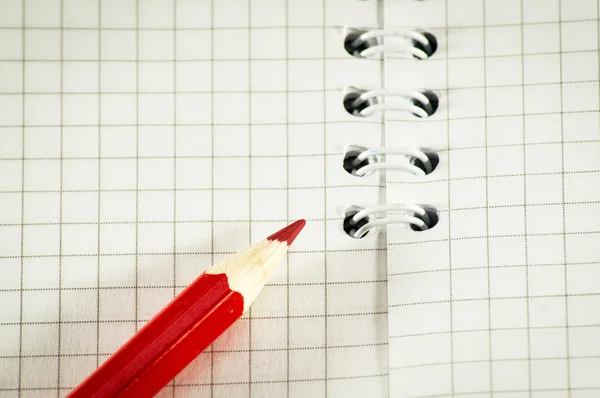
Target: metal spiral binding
{"x": 358, "y": 221}
{"x": 360, "y": 161}
{"x": 364, "y": 43}
{"x": 364, "y": 103}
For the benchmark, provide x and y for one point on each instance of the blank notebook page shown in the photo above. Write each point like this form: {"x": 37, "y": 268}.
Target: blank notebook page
{"x": 142, "y": 141}
{"x": 502, "y": 297}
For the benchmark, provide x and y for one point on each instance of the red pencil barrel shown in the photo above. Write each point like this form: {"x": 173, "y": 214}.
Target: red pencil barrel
{"x": 168, "y": 342}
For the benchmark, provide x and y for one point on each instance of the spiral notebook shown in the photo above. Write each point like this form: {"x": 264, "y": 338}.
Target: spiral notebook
{"x": 444, "y": 154}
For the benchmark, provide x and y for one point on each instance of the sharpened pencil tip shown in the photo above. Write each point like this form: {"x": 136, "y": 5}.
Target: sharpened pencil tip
{"x": 289, "y": 233}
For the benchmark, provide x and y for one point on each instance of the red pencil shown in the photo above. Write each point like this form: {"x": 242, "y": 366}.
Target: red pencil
{"x": 189, "y": 323}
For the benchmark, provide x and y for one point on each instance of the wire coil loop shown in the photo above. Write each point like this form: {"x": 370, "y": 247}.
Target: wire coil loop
{"x": 364, "y": 103}
{"x": 359, "y": 221}
{"x": 413, "y": 43}
{"x": 360, "y": 161}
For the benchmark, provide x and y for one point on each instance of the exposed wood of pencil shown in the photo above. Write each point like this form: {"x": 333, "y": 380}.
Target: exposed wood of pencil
{"x": 189, "y": 323}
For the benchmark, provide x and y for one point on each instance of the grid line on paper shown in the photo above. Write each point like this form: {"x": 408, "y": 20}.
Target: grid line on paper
{"x": 455, "y": 300}
{"x": 116, "y": 321}
{"x": 562, "y": 173}
{"x": 249, "y": 19}
{"x": 400, "y": 336}
{"x": 327, "y": 90}
{"x": 287, "y": 192}
{"x": 187, "y": 189}
{"x": 22, "y": 237}
{"x": 60, "y": 201}
{"x": 499, "y": 360}
{"x": 500, "y": 176}
{"x": 47, "y": 289}
{"x": 487, "y": 192}
{"x": 496, "y": 266}
{"x": 564, "y": 216}
{"x": 230, "y": 383}
{"x": 172, "y": 382}
{"x": 99, "y": 198}
{"x": 305, "y": 155}
{"x": 507, "y": 392}
{"x": 318, "y": 283}
{"x": 158, "y": 60}
{"x": 448, "y": 119}
{"x": 465, "y": 238}
{"x": 314, "y": 186}
{"x": 276, "y": 27}
{"x": 137, "y": 160}
{"x": 441, "y": 58}
{"x": 560, "y": 327}
{"x": 212, "y": 170}
{"x": 312, "y": 90}
{"x": 525, "y": 204}
{"x": 232, "y": 351}
{"x": 498, "y": 236}
{"x": 406, "y": 243}
{"x": 324, "y": 37}
{"x": 449, "y": 190}
{"x": 576, "y": 112}
{"x": 432, "y": 60}
{"x": 466, "y": 394}
{"x": 256, "y": 317}
{"x": 437, "y": 59}
{"x": 423, "y": 365}
{"x": 220, "y": 252}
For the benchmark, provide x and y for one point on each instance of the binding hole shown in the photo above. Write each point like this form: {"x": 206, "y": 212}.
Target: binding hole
{"x": 433, "y": 45}
{"x": 351, "y": 154}
{"x": 350, "y": 227}
{"x": 349, "y": 99}
{"x": 432, "y": 213}
{"x": 434, "y": 159}
{"x": 355, "y": 50}
{"x": 433, "y": 100}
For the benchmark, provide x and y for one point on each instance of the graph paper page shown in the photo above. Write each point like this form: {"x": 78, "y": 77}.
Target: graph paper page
{"x": 501, "y": 297}
{"x": 142, "y": 141}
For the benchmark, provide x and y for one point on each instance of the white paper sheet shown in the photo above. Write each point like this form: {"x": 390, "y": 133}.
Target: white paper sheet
{"x": 141, "y": 141}
{"x": 501, "y": 297}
